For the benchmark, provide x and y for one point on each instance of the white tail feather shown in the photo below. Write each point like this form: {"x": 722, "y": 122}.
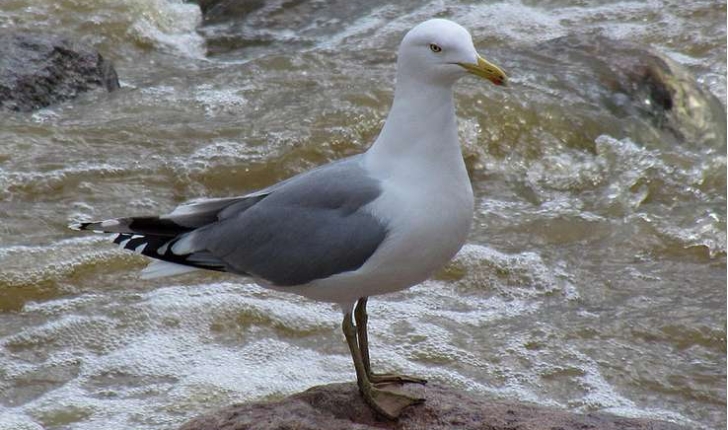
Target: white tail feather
{"x": 160, "y": 269}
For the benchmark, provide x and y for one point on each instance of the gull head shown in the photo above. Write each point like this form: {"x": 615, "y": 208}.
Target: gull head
{"x": 440, "y": 52}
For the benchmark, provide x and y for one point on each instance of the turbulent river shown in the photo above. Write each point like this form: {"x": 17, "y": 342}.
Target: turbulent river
{"x": 594, "y": 277}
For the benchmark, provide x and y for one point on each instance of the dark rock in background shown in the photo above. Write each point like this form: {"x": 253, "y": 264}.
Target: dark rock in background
{"x": 247, "y": 28}
{"x": 339, "y": 406}
{"x": 37, "y": 70}
{"x": 223, "y": 10}
{"x": 631, "y": 81}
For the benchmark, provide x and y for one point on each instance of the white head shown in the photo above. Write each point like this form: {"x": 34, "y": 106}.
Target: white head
{"x": 439, "y": 52}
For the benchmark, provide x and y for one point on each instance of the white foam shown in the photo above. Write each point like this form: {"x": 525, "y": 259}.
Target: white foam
{"x": 170, "y": 25}
{"x": 520, "y": 275}
{"x": 23, "y": 182}
{"x": 217, "y": 101}
{"x": 18, "y": 421}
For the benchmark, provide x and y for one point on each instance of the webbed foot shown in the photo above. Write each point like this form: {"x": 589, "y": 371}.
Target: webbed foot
{"x": 388, "y": 403}
{"x": 392, "y": 378}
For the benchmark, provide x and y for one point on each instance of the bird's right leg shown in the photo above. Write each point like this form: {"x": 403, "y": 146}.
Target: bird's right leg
{"x": 387, "y": 403}
{"x": 360, "y": 314}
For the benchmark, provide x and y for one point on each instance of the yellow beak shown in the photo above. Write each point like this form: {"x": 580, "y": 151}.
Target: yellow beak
{"x": 486, "y": 70}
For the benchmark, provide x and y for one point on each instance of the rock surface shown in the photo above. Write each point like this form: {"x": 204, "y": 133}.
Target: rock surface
{"x": 37, "y": 70}
{"x": 339, "y": 406}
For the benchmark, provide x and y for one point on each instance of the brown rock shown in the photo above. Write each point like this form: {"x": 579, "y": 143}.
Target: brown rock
{"x": 339, "y": 406}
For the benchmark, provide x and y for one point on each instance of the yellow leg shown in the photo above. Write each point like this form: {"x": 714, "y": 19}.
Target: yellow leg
{"x": 387, "y": 403}
{"x": 360, "y": 314}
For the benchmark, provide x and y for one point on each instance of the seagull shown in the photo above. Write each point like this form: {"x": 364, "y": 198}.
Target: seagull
{"x": 374, "y": 223}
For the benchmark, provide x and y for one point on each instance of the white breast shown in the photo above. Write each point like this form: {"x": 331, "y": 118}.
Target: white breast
{"x": 428, "y": 222}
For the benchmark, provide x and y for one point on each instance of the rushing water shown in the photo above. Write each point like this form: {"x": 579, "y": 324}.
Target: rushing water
{"x": 594, "y": 277}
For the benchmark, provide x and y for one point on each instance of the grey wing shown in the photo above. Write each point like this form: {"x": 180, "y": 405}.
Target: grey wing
{"x": 311, "y": 227}
{"x": 153, "y": 236}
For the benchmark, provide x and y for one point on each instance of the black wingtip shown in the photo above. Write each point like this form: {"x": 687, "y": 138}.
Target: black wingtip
{"x": 78, "y": 226}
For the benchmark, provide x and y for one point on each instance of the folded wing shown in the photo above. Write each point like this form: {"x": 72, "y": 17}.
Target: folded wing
{"x": 309, "y": 227}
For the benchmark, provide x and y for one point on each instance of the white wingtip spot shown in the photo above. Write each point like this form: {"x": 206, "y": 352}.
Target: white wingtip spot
{"x": 163, "y": 249}
{"x": 75, "y": 226}
{"x": 124, "y": 242}
{"x": 184, "y": 245}
{"x": 109, "y": 223}
{"x": 181, "y": 210}
{"x": 158, "y": 269}
{"x": 139, "y": 249}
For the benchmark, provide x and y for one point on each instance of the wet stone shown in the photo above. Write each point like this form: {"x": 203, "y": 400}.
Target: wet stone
{"x": 633, "y": 81}
{"x": 338, "y": 406}
{"x": 38, "y": 70}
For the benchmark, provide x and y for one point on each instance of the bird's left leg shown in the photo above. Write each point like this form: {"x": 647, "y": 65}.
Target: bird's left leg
{"x": 360, "y": 315}
{"x": 387, "y": 403}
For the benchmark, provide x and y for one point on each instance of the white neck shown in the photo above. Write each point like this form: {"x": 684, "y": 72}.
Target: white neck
{"x": 419, "y": 136}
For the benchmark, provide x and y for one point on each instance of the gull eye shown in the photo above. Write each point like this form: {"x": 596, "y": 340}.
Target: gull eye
{"x": 435, "y": 48}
